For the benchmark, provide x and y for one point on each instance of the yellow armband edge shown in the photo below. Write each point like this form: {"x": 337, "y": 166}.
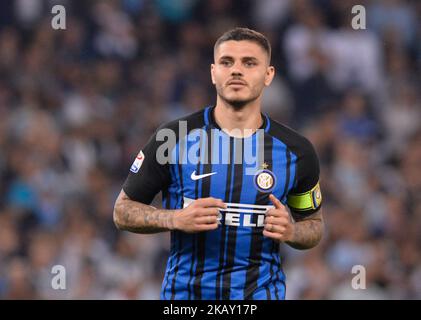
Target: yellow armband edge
{"x": 307, "y": 200}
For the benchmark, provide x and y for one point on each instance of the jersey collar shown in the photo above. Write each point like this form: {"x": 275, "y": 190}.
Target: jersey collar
{"x": 209, "y": 115}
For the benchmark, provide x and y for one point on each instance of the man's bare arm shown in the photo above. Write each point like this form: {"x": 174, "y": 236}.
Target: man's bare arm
{"x": 137, "y": 217}
{"x": 303, "y": 233}
{"x": 307, "y": 232}
{"x": 133, "y": 216}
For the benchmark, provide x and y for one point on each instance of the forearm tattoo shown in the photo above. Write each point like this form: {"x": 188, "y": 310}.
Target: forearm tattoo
{"x": 307, "y": 232}
{"x": 140, "y": 218}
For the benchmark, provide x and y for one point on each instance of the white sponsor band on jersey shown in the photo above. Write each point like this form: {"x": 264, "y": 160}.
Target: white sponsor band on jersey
{"x": 239, "y": 214}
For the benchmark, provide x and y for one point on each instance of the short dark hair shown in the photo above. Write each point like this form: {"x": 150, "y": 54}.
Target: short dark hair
{"x": 241, "y": 34}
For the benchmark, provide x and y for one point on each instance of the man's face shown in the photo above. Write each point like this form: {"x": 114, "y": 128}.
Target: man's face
{"x": 240, "y": 72}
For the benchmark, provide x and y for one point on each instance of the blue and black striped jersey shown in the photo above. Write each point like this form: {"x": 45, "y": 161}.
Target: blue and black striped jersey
{"x": 234, "y": 261}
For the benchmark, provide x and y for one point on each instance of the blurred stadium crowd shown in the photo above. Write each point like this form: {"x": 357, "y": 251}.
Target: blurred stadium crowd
{"x": 76, "y": 105}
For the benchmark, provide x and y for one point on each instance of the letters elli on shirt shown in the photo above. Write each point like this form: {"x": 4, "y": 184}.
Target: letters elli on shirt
{"x": 240, "y": 215}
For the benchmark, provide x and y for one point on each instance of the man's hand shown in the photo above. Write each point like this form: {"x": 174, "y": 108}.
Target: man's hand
{"x": 201, "y": 215}
{"x": 278, "y": 224}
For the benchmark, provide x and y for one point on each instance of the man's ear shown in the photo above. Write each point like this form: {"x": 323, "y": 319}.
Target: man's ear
{"x": 212, "y": 73}
{"x": 270, "y": 73}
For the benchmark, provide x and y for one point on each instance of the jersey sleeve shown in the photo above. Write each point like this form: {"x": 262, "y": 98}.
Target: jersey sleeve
{"x": 147, "y": 176}
{"x": 306, "y": 198}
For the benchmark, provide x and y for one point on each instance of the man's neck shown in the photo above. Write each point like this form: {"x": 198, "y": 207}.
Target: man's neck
{"x": 246, "y": 120}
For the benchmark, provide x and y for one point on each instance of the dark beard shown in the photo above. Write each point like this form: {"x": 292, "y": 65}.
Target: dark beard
{"x": 238, "y": 104}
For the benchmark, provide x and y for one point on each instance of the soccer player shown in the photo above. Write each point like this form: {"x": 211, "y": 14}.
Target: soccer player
{"x": 235, "y": 185}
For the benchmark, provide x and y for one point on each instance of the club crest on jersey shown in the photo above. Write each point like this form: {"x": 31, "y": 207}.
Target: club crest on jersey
{"x": 265, "y": 180}
{"x": 137, "y": 162}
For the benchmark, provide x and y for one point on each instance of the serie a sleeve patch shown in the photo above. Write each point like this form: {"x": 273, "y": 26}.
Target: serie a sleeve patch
{"x": 309, "y": 200}
{"x": 137, "y": 162}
